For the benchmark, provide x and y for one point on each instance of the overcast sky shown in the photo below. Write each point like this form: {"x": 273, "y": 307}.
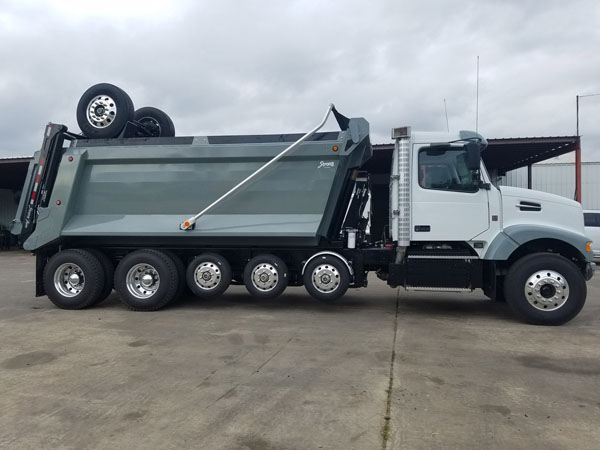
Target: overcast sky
{"x": 239, "y": 67}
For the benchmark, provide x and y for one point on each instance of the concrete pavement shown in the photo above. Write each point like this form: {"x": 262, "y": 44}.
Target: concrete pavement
{"x": 292, "y": 373}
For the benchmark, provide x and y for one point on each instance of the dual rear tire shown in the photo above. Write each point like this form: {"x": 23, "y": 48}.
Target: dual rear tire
{"x": 74, "y": 279}
{"x": 147, "y": 280}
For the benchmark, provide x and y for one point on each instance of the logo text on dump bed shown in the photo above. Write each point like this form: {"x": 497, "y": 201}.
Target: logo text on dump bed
{"x": 326, "y": 165}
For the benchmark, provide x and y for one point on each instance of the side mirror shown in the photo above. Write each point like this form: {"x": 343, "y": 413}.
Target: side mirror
{"x": 474, "y": 155}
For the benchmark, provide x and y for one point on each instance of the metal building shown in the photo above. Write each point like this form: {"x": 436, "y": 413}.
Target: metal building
{"x": 12, "y": 177}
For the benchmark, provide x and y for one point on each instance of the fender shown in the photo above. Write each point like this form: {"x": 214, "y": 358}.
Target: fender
{"x": 337, "y": 255}
{"x": 511, "y": 238}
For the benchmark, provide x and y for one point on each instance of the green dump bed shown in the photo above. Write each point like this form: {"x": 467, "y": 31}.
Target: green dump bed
{"x": 138, "y": 191}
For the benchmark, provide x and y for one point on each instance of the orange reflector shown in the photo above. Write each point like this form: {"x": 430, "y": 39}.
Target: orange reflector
{"x": 335, "y": 148}
{"x": 588, "y": 246}
{"x": 186, "y": 223}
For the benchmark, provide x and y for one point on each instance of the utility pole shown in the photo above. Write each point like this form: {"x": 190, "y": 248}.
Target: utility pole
{"x": 578, "y": 149}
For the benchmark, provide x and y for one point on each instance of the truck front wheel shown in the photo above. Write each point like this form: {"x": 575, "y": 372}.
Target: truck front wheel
{"x": 146, "y": 280}
{"x": 545, "y": 289}
{"x": 73, "y": 279}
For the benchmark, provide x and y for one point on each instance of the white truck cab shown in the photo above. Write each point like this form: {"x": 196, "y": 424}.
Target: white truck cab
{"x": 447, "y": 217}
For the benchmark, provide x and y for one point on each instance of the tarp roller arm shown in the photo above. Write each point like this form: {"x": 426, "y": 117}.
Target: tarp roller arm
{"x": 342, "y": 122}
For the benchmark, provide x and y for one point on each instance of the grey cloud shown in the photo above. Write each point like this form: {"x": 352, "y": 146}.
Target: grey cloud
{"x": 270, "y": 66}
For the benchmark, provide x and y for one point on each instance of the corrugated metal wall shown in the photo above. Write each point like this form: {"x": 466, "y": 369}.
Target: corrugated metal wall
{"x": 8, "y": 208}
{"x": 559, "y": 179}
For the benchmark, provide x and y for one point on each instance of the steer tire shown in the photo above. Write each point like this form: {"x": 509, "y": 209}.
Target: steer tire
{"x": 545, "y": 289}
{"x": 103, "y": 111}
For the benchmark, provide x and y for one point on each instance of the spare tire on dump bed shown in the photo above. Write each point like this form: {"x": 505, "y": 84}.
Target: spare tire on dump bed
{"x": 155, "y": 122}
{"x": 103, "y": 111}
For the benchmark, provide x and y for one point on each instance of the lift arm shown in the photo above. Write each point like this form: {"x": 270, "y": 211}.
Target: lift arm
{"x": 189, "y": 223}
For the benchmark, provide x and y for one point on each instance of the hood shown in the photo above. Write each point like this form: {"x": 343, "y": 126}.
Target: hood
{"x": 509, "y": 191}
{"x": 540, "y": 208}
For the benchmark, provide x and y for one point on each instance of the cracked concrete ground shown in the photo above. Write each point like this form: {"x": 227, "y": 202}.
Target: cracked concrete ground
{"x": 292, "y": 373}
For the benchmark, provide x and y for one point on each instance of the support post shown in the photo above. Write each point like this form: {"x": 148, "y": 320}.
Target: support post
{"x": 578, "y": 170}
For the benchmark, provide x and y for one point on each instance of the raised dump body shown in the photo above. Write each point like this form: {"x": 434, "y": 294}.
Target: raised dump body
{"x": 113, "y": 192}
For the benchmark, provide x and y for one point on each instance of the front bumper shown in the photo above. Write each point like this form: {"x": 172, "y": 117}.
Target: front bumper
{"x": 590, "y": 268}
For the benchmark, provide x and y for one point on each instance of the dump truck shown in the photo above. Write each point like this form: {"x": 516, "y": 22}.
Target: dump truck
{"x": 150, "y": 214}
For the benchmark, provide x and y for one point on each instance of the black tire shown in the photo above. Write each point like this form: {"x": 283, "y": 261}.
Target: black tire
{"x": 109, "y": 274}
{"x": 326, "y": 278}
{"x": 86, "y": 284}
{"x": 162, "y": 280}
{"x": 180, "y": 272}
{"x": 103, "y": 111}
{"x": 545, "y": 289}
{"x": 217, "y": 275}
{"x": 157, "y": 122}
{"x": 274, "y": 274}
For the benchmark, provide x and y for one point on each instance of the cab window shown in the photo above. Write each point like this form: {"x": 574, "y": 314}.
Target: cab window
{"x": 446, "y": 169}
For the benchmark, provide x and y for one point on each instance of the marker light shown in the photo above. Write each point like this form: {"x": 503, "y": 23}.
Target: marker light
{"x": 588, "y": 246}
{"x": 335, "y": 148}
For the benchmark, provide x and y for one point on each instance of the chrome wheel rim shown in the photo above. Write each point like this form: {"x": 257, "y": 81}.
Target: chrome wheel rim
{"x": 142, "y": 281}
{"x": 207, "y": 275}
{"x": 101, "y": 111}
{"x": 265, "y": 277}
{"x": 69, "y": 280}
{"x": 547, "y": 290}
{"x": 325, "y": 278}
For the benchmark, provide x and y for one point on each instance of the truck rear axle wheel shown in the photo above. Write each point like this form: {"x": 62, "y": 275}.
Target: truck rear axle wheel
{"x": 109, "y": 274}
{"x": 266, "y": 276}
{"x": 146, "y": 280}
{"x": 326, "y": 278}
{"x": 73, "y": 279}
{"x": 208, "y": 275}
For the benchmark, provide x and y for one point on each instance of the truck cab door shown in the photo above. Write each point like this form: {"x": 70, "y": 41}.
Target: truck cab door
{"x": 447, "y": 201}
